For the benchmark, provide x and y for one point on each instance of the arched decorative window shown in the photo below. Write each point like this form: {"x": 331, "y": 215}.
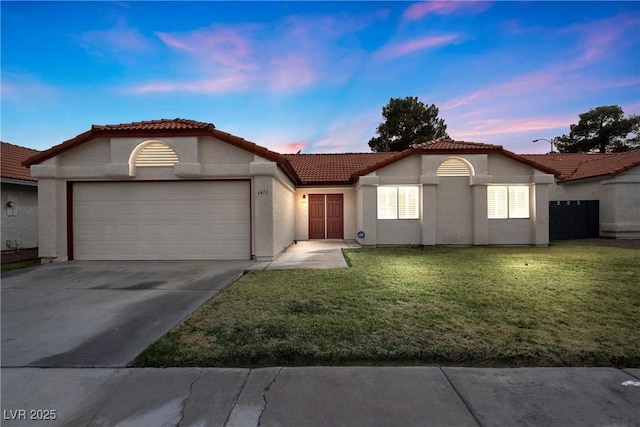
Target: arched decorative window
{"x": 154, "y": 153}
{"x": 454, "y": 166}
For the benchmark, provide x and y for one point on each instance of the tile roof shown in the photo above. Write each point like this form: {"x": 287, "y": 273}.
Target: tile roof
{"x": 332, "y": 168}
{"x": 12, "y": 158}
{"x": 448, "y": 144}
{"x": 571, "y": 166}
{"x": 162, "y": 124}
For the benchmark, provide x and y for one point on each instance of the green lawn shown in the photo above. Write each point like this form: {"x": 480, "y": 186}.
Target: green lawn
{"x": 565, "y": 305}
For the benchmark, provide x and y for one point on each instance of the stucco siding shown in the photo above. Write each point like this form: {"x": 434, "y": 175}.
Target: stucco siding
{"x": 283, "y": 216}
{"x": 399, "y": 232}
{"x": 510, "y": 232}
{"x": 407, "y": 167}
{"x": 620, "y": 205}
{"x": 588, "y": 190}
{"x": 503, "y": 166}
{"x": 19, "y": 222}
{"x": 454, "y": 211}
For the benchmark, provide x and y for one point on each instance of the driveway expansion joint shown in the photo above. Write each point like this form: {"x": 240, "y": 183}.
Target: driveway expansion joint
{"x": 236, "y": 398}
{"x": 264, "y": 395}
{"x": 464, "y": 401}
{"x": 186, "y": 399}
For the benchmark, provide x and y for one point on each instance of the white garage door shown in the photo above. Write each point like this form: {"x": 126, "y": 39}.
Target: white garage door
{"x": 167, "y": 220}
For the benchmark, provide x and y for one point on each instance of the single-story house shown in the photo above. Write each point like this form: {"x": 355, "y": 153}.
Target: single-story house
{"x": 19, "y": 204}
{"x": 595, "y": 194}
{"x": 182, "y": 189}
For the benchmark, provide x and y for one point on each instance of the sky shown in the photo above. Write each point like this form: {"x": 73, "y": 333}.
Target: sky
{"x": 314, "y": 76}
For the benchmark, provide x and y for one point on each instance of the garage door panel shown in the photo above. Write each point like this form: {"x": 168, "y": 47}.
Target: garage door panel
{"x": 161, "y": 220}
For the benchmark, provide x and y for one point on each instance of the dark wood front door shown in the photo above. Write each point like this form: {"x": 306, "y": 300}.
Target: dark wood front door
{"x": 326, "y": 216}
{"x": 316, "y": 216}
{"x": 335, "y": 220}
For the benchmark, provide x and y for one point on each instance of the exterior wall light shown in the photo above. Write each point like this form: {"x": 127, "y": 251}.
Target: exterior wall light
{"x": 304, "y": 198}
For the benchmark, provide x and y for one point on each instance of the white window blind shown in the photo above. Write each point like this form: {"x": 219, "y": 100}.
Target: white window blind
{"x": 497, "y": 202}
{"x": 507, "y": 201}
{"x": 518, "y": 201}
{"x": 408, "y": 203}
{"x": 398, "y": 202}
{"x": 387, "y": 202}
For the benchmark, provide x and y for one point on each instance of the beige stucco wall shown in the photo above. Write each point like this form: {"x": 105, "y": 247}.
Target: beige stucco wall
{"x": 20, "y": 221}
{"x": 350, "y": 212}
{"x": 454, "y": 209}
{"x": 272, "y": 216}
{"x": 620, "y": 205}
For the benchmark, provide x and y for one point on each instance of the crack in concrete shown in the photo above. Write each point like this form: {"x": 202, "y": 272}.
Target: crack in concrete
{"x": 186, "y": 399}
{"x": 473, "y": 414}
{"x": 237, "y": 397}
{"x": 264, "y": 395}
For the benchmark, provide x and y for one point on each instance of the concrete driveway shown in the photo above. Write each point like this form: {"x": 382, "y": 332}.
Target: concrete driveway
{"x": 101, "y": 314}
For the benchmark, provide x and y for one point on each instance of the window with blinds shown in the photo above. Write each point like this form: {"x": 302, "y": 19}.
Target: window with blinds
{"x": 507, "y": 201}
{"x": 156, "y": 154}
{"x": 398, "y": 202}
{"x": 453, "y": 167}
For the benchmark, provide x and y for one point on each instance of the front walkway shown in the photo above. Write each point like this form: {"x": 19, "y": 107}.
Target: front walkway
{"x": 310, "y": 254}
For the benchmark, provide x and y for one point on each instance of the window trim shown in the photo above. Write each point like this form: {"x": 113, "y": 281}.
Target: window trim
{"x": 401, "y": 206}
{"x": 510, "y": 203}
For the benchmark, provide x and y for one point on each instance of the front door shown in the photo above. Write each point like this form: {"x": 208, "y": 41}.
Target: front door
{"x": 326, "y": 216}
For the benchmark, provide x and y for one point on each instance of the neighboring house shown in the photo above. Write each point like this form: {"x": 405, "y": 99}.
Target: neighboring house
{"x": 595, "y": 194}
{"x": 182, "y": 189}
{"x": 19, "y": 205}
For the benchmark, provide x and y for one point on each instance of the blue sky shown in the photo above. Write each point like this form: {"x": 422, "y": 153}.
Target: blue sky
{"x": 315, "y": 75}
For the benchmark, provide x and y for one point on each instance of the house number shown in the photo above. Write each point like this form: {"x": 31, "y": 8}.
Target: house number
{"x": 263, "y": 192}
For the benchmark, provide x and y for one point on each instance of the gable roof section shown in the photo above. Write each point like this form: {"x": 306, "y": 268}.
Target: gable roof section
{"x": 573, "y": 166}
{"x": 162, "y": 128}
{"x": 450, "y": 147}
{"x": 12, "y": 158}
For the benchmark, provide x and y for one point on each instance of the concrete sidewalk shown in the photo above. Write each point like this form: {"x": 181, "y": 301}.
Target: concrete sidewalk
{"x": 321, "y": 396}
{"x": 310, "y": 254}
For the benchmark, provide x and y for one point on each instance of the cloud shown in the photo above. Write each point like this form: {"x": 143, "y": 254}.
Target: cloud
{"x": 480, "y": 128}
{"x": 292, "y": 147}
{"x": 396, "y": 49}
{"x": 224, "y": 84}
{"x": 601, "y": 39}
{"x": 419, "y": 10}
{"x": 287, "y": 56}
{"x": 119, "y": 39}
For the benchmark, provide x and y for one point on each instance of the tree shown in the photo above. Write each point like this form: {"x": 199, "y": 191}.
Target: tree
{"x": 408, "y": 121}
{"x": 602, "y": 129}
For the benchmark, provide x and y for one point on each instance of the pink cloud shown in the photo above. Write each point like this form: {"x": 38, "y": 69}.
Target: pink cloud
{"x": 291, "y": 72}
{"x": 292, "y": 147}
{"x": 233, "y": 83}
{"x": 419, "y": 10}
{"x": 475, "y": 129}
{"x": 221, "y": 45}
{"x": 394, "y": 50}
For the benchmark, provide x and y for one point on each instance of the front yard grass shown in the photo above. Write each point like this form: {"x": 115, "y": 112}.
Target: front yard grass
{"x": 565, "y": 305}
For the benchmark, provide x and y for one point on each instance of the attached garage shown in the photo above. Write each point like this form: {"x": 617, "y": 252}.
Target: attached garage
{"x": 160, "y": 220}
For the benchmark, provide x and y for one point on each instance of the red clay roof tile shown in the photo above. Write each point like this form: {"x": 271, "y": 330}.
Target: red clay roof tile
{"x": 570, "y": 166}
{"x": 332, "y": 168}
{"x": 12, "y": 158}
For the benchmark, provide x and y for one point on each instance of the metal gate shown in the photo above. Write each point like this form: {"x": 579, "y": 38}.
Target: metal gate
{"x": 574, "y": 219}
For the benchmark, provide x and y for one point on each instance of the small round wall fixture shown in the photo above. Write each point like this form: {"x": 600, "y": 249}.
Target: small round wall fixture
{"x": 360, "y": 234}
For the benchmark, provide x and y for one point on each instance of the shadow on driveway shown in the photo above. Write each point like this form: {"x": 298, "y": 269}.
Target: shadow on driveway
{"x": 101, "y": 314}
